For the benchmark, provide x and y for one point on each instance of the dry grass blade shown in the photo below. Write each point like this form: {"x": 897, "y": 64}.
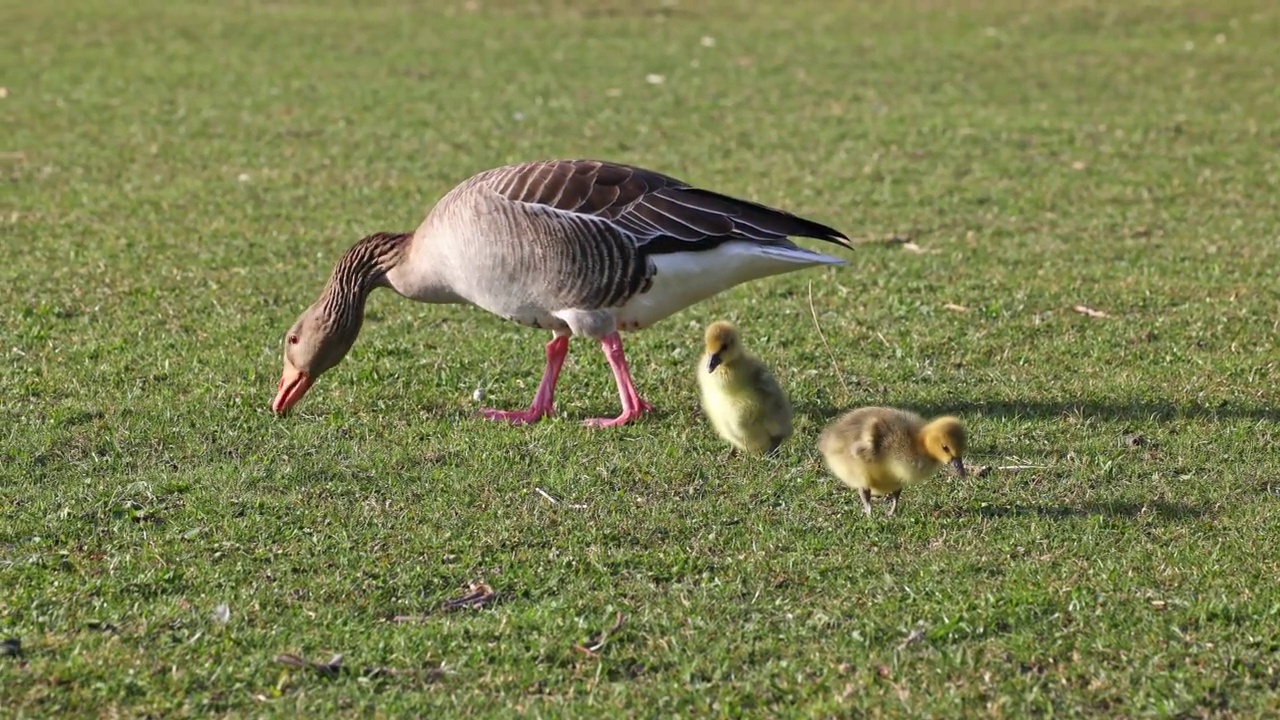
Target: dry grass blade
{"x": 478, "y": 595}
{"x": 955, "y": 308}
{"x": 834, "y": 363}
{"x": 907, "y": 242}
{"x": 911, "y": 247}
{"x": 596, "y": 643}
{"x": 891, "y": 239}
{"x": 434, "y": 673}
{"x": 557, "y": 501}
{"x": 334, "y": 668}
{"x": 1086, "y": 310}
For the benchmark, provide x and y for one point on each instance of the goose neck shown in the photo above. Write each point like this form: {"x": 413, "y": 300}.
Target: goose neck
{"x": 363, "y": 268}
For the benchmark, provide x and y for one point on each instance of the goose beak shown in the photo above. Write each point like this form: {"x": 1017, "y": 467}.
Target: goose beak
{"x": 293, "y": 385}
{"x": 958, "y": 465}
{"x": 713, "y": 363}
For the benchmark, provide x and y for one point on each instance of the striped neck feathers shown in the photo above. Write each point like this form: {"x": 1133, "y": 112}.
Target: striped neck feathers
{"x": 361, "y": 269}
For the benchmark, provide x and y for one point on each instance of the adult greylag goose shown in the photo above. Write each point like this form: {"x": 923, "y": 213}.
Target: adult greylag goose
{"x": 577, "y": 247}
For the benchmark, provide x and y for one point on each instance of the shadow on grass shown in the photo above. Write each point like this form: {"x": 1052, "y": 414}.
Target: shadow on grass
{"x": 1120, "y": 410}
{"x": 1113, "y": 509}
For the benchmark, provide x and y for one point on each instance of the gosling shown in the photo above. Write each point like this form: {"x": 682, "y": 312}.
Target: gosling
{"x": 878, "y": 450}
{"x": 740, "y": 396}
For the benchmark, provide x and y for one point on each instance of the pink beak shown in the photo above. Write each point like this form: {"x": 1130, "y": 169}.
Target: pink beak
{"x": 293, "y": 385}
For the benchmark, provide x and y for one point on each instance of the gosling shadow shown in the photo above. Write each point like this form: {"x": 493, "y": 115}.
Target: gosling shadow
{"x": 1109, "y": 509}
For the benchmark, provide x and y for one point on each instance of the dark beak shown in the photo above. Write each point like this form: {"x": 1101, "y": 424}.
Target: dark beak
{"x": 958, "y": 465}
{"x": 714, "y": 363}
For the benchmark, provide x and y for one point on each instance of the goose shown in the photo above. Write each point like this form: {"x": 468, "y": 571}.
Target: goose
{"x": 878, "y": 450}
{"x": 740, "y": 397}
{"x": 578, "y": 247}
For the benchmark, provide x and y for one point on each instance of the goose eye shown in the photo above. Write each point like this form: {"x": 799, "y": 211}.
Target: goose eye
{"x": 946, "y": 449}
{"x": 293, "y": 339}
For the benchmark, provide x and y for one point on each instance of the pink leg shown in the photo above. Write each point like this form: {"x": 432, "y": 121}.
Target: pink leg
{"x": 544, "y": 398}
{"x": 632, "y": 406}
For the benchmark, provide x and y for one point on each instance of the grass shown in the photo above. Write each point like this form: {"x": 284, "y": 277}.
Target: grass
{"x": 183, "y": 175}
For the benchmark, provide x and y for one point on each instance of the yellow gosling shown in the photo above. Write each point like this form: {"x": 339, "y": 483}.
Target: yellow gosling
{"x": 878, "y": 450}
{"x": 740, "y": 397}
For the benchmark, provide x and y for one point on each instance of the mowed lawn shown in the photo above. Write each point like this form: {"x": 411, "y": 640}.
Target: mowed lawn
{"x": 182, "y": 176}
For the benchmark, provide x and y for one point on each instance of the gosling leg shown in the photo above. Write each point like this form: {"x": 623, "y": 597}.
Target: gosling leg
{"x": 865, "y": 495}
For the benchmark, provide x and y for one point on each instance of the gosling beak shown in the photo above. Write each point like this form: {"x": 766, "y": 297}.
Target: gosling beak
{"x": 713, "y": 363}
{"x": 293, "y": 385}
{"x": 958, "y": 465}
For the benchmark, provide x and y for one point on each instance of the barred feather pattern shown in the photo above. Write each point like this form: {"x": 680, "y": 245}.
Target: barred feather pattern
{"x": 586, "y": 232}
{"x": 361, "y": 269}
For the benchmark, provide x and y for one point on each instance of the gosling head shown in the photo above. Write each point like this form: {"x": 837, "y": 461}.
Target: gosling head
{"x": 316, "y": 342}
{"x": 946, "y": 441}
{"x": 723, "y": 345}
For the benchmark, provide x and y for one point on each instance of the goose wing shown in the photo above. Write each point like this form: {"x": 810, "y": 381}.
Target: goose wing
{"x": 659, "y": 213}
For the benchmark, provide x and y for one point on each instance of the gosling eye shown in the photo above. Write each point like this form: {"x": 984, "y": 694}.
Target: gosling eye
{"x": 293, "y": 339}
{"x": 946, "y": 449}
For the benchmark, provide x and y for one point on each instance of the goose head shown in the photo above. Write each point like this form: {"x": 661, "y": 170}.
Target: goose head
{"x": 723, "y": 345}
{"x": 316, "y": 343}
{"x": 946, "y": 441}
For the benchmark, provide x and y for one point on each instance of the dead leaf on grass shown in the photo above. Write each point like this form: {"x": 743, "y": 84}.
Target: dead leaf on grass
{"x": 915, "y": 636}
{"x": 1135, "y": 441}
{"x": 478, "y": 595}
{"x": 1086, "y": 310}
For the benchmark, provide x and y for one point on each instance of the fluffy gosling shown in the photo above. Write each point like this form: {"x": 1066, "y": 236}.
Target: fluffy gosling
{"x": 878, "y": 450}
{"x": 740, "y": 396}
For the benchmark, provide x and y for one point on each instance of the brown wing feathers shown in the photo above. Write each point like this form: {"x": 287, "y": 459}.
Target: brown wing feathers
{"x": 661, "y": 212}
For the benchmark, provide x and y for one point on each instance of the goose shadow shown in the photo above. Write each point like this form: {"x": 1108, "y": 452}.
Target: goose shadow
{"x": 1160, "y": 410}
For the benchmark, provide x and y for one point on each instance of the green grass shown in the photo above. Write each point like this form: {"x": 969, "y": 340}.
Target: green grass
{"x": 182, "y": 176}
